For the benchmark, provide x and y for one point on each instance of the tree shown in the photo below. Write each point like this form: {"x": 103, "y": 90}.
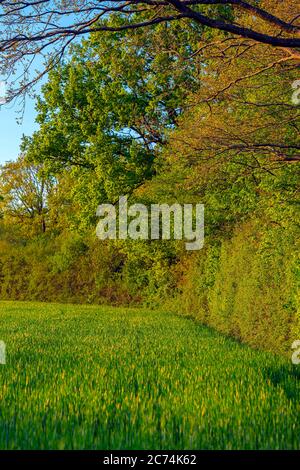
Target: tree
{"x": 24, "y": 192}
{"x": 104, "y": 114}
{"x": 244, "y": 110}
{"x": 46, "y": 28}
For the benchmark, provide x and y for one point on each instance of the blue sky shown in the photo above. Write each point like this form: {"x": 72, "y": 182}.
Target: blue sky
{"x": 11, "y": 132}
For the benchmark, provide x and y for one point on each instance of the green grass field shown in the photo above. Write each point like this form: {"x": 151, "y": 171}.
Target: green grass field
{"x": 104, "y": 378}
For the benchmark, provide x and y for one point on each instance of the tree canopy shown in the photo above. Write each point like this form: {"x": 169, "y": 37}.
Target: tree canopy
{"x": 45, "y": 28}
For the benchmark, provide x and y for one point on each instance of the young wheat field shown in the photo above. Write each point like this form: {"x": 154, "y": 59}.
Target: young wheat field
{"x": 80, "y": 377}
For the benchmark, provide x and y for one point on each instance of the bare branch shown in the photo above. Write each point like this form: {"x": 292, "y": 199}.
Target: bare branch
{"x": 43, "y": 29}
